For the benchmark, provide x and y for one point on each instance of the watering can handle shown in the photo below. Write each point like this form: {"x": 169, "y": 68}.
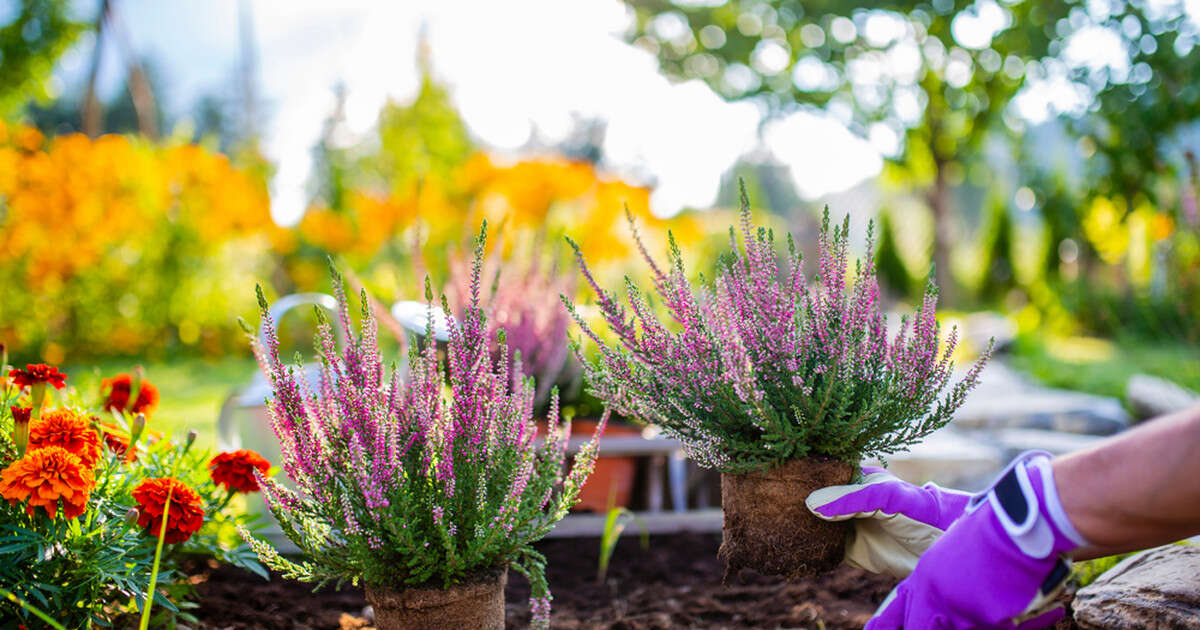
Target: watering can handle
{"x": 289, "y": 302}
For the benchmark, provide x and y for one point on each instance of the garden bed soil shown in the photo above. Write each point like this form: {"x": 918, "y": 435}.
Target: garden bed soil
{"x": 676, "y": 583}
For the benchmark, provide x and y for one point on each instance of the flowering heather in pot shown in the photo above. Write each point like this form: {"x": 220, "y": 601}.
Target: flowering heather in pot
{"x": 426, "y": 480}
{"x": 762, "y": 366}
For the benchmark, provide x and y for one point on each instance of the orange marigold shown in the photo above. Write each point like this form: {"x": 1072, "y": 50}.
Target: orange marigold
{"x": 45, "y": 476}
{"x": 68, "y": 429}
{"x": 235, "y": 470}
{"x": 185, "y": 516}
{"x": 118, "y": 389}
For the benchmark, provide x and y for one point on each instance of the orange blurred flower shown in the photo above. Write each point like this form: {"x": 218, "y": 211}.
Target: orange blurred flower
{"x": 67, "y": 429}
{"x": 235, "y": 470}
{"x": 45, "y": 476}
{"x": 185, "y": 516}
{"x": 36, "y": 374}
{"x": 118, "y": 389}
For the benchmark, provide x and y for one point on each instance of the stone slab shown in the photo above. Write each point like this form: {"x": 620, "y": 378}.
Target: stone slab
{"x": 1155, "y": 589}
{"x": 1150, "y": 396}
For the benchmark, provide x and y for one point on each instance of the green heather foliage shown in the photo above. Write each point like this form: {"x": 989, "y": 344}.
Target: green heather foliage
{"x": 423, "y": 480}
{"x": 762, "y": 366}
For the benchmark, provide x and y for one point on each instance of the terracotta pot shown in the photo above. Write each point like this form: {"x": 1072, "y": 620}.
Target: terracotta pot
{"x": 613, "y": 477}
{"x": 769, "y": 529}
{"x": 477, "y": 603}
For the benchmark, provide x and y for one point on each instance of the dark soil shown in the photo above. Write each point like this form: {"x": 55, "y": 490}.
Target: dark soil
{"x": 676, "y": 583}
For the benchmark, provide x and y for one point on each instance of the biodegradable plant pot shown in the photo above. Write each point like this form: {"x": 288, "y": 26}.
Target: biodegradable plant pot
{"x": 477, "y": 603}
{"x": 769, "y": 529}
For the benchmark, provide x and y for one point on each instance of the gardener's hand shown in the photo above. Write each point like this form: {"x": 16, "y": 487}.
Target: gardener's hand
{"x": 895, "y": 521}
{"x": 998, "y": 566}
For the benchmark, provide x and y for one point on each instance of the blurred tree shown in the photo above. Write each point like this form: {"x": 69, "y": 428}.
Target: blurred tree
{"x": 1140, "y": 104}
{"x": 997, "y": 275}
{"x": 932, "y": 76}
{"x": 893, "y": 273}
{"x": 426, "y": 138}
{"x": 39, "y": 31}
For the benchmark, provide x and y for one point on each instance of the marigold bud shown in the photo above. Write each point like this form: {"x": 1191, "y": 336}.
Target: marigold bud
{"x": 131, "y": 517}
{"x": 136, "y": 428}
{"x": 191, "y": 437}
{"x": 20, "y": 437}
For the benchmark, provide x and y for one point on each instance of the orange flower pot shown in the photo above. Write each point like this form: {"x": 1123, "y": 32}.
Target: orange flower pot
{"x": 611, "y": 483}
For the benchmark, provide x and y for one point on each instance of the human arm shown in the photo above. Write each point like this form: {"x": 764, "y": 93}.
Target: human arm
{"x": 1002, "y": 562}
{"x": 1135, "y": 490}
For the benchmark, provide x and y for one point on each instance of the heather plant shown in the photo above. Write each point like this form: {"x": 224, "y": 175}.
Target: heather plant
{"x": 522, "y": 304}
{"x": 762, "y": 366}
{"x": 426, "y": 479}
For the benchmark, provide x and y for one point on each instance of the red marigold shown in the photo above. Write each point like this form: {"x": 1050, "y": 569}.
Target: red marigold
{"x": 118, "y": 389}
{"x": 45, "y": 476}
{"x": 68, "y": 429}
{"x": 35, "y": 373}
{"x": 185, "y": 516}
{"x": 235, "y": 470}
{"x": 117, "y": 442}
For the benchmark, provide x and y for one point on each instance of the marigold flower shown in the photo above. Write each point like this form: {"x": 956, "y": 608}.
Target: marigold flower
{"x": 68, "y": 429}
{"x": 185, "y": 516}
{"x": 117, "y": 442}
{"x": 37, "y": 373}
{"x": 45, "y": 476}
{"x": 235, "y": 470}
{"x": 120, "y": 386}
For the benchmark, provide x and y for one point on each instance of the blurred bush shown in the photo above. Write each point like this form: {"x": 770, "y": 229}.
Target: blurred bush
{"x": 117, "y": 246}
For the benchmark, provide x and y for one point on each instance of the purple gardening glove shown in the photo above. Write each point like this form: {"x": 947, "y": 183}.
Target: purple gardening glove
{"x": 998, "y": 566}
{"x": 894, "y": 521}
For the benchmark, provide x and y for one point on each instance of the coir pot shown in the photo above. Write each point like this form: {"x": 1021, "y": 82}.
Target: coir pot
{"x": 769, "y": 529}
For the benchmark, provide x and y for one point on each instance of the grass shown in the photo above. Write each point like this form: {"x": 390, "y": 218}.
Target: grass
{"x": 1103, "y": 367}
{"x": 190, "y": 390}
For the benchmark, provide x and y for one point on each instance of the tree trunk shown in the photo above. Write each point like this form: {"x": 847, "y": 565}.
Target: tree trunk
{"x": 941, "y": 204}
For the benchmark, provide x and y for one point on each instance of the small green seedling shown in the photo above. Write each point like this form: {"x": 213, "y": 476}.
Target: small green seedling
{"x": 614, "y": 526}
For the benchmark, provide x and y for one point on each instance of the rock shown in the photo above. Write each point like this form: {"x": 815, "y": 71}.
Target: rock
{"x": 1150, "y": 396}
{"x": 1043, "y": 408}
{"x": 1158, "y": 588}
{"x": 949, "y": 458}
{"x": 1016, "y": 441}
{"x": 986, "y": 326}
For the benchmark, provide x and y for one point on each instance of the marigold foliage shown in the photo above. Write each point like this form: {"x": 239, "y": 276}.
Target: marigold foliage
{"x": 423, "y": 479}
{"x": 761, "y": 365}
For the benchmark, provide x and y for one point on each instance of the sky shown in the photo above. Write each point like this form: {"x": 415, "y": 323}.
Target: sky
{"x": 511, "y": 67}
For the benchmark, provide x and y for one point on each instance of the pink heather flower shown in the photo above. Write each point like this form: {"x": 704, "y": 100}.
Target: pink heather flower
{"x": 762, "y": 364}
